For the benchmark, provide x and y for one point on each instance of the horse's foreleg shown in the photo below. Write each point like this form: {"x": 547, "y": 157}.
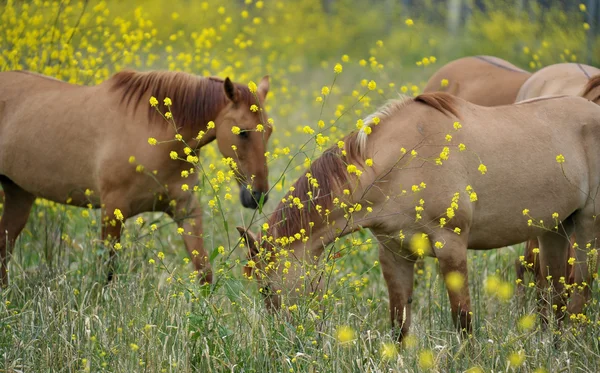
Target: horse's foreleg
{"x": 398, "y": 271}
{"x": 188, "y": 216}
{"x": 17, "y": 204}
{"x": 452, "y": 257}
{"x": 111, "y": 234}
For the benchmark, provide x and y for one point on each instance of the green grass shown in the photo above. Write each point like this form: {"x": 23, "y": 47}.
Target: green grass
{"x": 59, "y": 315}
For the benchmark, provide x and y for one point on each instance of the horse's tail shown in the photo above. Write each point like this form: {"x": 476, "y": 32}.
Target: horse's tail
{"x": 592, "y": 89}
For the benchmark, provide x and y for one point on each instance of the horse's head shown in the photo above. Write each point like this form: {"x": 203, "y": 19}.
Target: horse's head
{"x": 259, "y": 254}
{"x": 242, "y": 133}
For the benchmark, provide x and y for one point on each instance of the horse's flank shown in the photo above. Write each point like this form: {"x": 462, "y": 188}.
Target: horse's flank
{"x": 196, "y": 100}
{"x": 331, "y": 169}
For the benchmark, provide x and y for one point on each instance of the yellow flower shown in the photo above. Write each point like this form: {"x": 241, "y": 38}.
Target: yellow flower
{"x": 345, "y": 58}
{"x": 160, "y": 255}
{"x": 482, "y": 168}
{"x": 168, "y": 101}
{"x": 337, "y": 68}
{"x": 260, "y": 127}
{"x": 369, "y": 162}
{"x": 455, "y": 281}
{"x": 444, "y": 83}
{"x": 152, "y": 141}
{"x": 153, "y": 101}
{"x": 252, "y": 87}
{"x": 325, "y": 91}
{"x": 210, "y": 125}
{"x": 118, "y": 214}
{"x": 321, "y": 124}
{"x": 582, "y": 7}
{"x": 173, "y": 155}
{"x": 372, "y": 85}
{"x": 253, "y": 108}
{"x": 457, "y": 125}
{"x": 345, "y": 334}
{"x": 560, "y": 158}
{"x": 426, "y": 359}
{"x": 586, "y": 26}
{"x": 389, "y": 351}
{"x": 168, "y": 115}
{"x": 134, "y": 347}
{"x": 462, "y": 147}
{"x": 409, "y": 22}
{"x": 265, "y": 226}
{"x": 516, "y": 359}
{"x": 235, "y": 130}
{"x": 419, "y": 244}
{"x": 571, "y": 261}
{"x": 178, "y": 137}
{"x": 308, "y": 130}
{"x": 180, "y": 230}
{"x": 132, "y": 159}
{"x": 185, "y": 187}
{"x": 527, "y": 322}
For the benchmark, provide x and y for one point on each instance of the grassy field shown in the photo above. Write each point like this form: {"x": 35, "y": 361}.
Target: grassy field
{"x": 57, "y": 314}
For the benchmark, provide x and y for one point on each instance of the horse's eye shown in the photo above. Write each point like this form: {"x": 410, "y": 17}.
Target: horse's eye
{"x": 244, "y": 134}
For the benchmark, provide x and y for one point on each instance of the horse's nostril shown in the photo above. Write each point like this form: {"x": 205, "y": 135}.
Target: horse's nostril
{"x": 258, "y": 195}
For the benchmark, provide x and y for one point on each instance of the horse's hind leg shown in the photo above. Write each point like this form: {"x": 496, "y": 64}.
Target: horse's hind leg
{"x": 17, "y": 204}
{"x": 188, "y": 216}
{"x": 554, "y": 251}
{"x": 111, "y": 230}
{"x": 587, "y": 233}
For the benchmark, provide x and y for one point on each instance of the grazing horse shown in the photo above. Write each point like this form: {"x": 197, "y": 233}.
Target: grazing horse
{"x": 75, "y": 144}
{"x": 454, "y": 175}
{"x": 573, "y": 79}
{"x": 482, "y": 80}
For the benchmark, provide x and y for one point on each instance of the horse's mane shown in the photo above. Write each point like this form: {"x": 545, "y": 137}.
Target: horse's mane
{"x": 330, "y": 169}
{"x": 591, "y": 85}
{"x": 196, "y": 100}
{"x": 443, "y": 102}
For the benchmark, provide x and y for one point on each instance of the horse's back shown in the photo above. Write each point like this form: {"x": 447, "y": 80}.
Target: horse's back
{"x": 483, "y": 80}
{"x": 562, "y": 78}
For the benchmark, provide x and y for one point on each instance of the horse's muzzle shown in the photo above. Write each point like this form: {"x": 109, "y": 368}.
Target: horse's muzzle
{"x": 251, "y": 200}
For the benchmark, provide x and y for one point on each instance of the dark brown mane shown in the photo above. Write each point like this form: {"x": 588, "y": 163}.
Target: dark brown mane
{"x": 591, "y": 85}
{"x": 443, "y": 102}
{"x": 330, "y": 172}
{"x": 196, "y": 100}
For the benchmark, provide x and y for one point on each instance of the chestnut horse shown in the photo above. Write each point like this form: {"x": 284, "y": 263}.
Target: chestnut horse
{"x": 482, "y": 80}
{"x": 72, "y": 144}
{"x": 409, "y": 179}
{"x": 573, "y": 79}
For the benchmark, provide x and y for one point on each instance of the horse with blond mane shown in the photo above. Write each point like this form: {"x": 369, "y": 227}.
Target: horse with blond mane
{"x": 573, "y": 79}
{"x": 449, "y": 173}
{"x": 74, "y": 144}
{"x": 482, "y": 80}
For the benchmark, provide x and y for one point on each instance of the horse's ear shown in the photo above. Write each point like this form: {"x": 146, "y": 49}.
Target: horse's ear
{"x": 263, "y": 86}
{"x": 251, "y": 239}
{"x": 231, "y": 91}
